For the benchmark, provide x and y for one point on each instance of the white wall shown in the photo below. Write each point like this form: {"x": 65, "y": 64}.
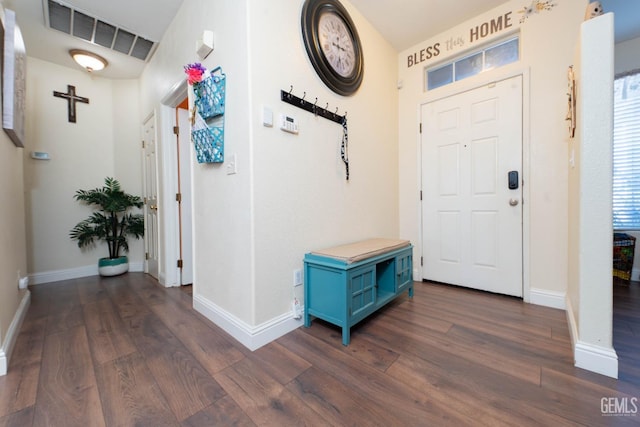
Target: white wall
{"x": 252, "y": 229}
{"x": 547, "y": 41}
{"x": 105, "y": 141}
{"x": 590, "y": 310}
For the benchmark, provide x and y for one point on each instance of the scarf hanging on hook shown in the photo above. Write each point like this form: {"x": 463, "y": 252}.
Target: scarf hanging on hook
{"x": 344, "y": 148}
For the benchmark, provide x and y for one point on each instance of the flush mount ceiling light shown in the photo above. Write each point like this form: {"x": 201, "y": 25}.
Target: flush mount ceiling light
{"x": 87, "y": 60}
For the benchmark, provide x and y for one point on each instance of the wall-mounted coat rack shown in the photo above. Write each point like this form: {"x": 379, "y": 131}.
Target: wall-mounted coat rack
{"x": 311, "y": 107}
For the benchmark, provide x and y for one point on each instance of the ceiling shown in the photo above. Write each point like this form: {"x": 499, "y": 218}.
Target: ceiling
{"x": 403, "y": 27}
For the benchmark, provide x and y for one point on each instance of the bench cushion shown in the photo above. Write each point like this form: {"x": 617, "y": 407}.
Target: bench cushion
{"x": 358, "y": 251}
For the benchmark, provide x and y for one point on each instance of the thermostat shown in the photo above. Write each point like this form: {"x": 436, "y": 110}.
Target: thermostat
{"x": 40, "y": 155}
{"x": 288, "y": 124}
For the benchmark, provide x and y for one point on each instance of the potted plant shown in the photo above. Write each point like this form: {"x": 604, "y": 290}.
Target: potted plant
{"x": 111, "y": 222}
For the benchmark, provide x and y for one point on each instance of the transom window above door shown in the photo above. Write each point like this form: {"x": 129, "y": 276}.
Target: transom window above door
{"x": 494, "y": 56}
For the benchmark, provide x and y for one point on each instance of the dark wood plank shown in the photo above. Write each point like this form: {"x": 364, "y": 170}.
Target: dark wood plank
{"x": 224, "y": 412}
{"x": 19, "y": 387}
{"x": 130, "y": 394}
{"x": 188, "y": 386}
{"x": 377, "y": 356}
{"x": 108, "y": 336}
{"x": 215, "y": 351}
{"x": 282, "y": 364}
{"x": 337, "y": 403}
{"x": 126, "y": 351}
{"x": 412, "y": 339}
{"x": 67, "y": 392}
{"x": 264, "y": 400}
{"x": 22, "y": 418}
{"x": 403, "y": 404}
{"x": 487, "y": 396}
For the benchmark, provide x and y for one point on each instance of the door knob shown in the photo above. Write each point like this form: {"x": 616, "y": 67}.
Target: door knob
{"x": 153, "y": 207}
{"x": 513, "y": 202}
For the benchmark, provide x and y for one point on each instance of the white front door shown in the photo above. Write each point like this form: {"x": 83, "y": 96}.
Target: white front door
{"x": 150, "y": 197}
{"x": 471, "y": 218}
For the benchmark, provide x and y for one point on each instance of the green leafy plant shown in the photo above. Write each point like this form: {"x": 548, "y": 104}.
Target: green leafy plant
{"x": 112, "y": 222}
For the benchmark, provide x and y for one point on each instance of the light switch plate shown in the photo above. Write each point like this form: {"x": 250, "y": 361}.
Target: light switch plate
{"x": 267, "y": 116}
{"x": 232, "y": 164}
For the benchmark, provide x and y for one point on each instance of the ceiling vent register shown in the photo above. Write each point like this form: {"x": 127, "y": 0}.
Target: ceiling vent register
{"x": 78, "y": 24}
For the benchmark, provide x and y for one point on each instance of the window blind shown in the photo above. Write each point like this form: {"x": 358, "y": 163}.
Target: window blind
{"x": 626, "y": 152}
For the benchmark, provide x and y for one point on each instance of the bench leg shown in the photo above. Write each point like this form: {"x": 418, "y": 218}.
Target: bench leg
{"x": 411, "y": 291}
{"x": 307, "y": 319}
{"x": 346, "y": 335}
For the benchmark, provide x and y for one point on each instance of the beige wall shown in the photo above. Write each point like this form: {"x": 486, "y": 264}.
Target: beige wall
{"x": 105, "y": 141}
{"x": 252, "y": 229}
{"x": 302, "y": 200}
{"x": 547, "y": 45}
{"x": 13, "y": 250}
{"x": 13, "y": 262}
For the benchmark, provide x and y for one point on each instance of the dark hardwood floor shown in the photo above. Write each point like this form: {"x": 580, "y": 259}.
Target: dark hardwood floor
{"x": 124, "y": 351}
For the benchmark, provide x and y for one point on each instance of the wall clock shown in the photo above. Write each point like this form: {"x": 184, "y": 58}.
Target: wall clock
{"x": 333, "y": 45}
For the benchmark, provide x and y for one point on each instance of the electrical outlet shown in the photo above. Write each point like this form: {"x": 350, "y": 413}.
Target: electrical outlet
{"x": 297, "y": 277}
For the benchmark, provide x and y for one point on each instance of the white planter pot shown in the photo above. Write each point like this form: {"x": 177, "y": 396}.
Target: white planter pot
{"x": 113, "y": 267}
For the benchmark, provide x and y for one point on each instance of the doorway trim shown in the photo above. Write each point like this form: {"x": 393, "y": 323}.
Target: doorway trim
{"x": 528, "y": 295}
{"x": 168, "y": 179}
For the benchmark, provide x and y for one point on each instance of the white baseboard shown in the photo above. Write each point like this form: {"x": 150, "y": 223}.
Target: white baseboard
{"x": 252, "y": 337}
{"x": 13, "y": 332}
{"x": 547, "y": 298}
{"x": 597, "y": 359}
{"x": 74, "y": 273}
{"x": 587, "y": 356}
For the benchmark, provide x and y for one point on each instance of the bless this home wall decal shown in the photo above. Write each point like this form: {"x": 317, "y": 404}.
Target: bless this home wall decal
{"x": 478, "y": 32}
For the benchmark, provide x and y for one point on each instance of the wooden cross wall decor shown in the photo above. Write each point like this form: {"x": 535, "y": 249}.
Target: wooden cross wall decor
{"x": 71, "y": 98}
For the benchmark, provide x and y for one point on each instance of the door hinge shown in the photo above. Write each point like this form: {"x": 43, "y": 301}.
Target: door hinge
{"x": 420, "y": 194}
{"x": 176, "y": 130}
{"x": 421, "y": 261}
{"x": 146, "y": 255}
{"x": 144, "y": 200}
{"x": 179, "y": 263}
{"x": 178, "y": 197}
{"x": 143, "y": 144}
{"x": 420, "y": 127}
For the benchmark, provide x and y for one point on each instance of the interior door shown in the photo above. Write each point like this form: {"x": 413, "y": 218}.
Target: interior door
{"x": 472, "y": 188}
{"x": 184, "y": 188}
{"x": 150, "y": 197}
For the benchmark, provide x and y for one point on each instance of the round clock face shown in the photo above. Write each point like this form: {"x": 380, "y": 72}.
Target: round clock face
{"x": 332, "y": 45}
{"x": 337, "y": 44}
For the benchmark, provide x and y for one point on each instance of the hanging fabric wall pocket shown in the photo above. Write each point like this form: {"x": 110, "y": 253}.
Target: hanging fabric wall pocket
{"x": 208, "y": 140}
{"x": 209, "y": 94}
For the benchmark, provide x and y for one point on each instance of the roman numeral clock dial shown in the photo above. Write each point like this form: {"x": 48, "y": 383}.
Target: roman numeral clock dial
{"x": 332, "y": 45}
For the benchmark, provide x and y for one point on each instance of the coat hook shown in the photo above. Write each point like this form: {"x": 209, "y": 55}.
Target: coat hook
{"x": 303, "y": 95}
{"x": 290, "y": 89}
{"x": 336, "y": 110}
{"x": 314, "y": 104}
